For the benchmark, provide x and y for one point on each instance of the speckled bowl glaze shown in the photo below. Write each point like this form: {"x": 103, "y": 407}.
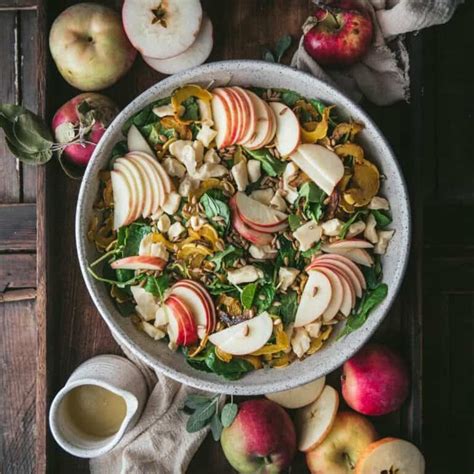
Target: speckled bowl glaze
{"x": 334, "y": 353}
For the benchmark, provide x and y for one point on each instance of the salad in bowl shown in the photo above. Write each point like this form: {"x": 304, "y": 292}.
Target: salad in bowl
{"x": 242, "y": 227}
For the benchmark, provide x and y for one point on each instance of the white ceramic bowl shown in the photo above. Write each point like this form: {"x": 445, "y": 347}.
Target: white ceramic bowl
{"x": 334, "y": 353}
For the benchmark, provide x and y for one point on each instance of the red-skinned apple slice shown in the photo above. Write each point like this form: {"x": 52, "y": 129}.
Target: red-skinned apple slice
{"x": 148, "y": 196}
{"x": 263, "y": 123}
{"x": 288, "y": 132}
{"x": 135, "y": 203}
{"x": 139, "y": 262}
{"x": 357, "y": 255}
{"x": 152, "y": 181}
{"x": 139, "y": 183}
{"x": 252, "y": 235}
{"x": 181, "y": 327}
{"x": 232, "y": 110}
{"x": 136, "y": 141}
{"x": 208, "y": 300}
{"x": 164, "y": 36}
{"x": 350, "y": 244}
{"x": 246, "y": 337}
{"x": 273, "y": 125}
{"x": 222, "y": 121}
{"x": 254, "y": 213}
{"x": 269, "y": 229}
{"x": 315, "y": 299}
{"x": 351, "y": 269}
{"x": 195, "y": 55}
{"x": 337, "y": 294}
{"x": 314, "y": 422}
{"x": 240, "y": 109}
{"x": 122, "y": 199}
{"x": 251, "y": 115}
{"x": 165, "y": 179}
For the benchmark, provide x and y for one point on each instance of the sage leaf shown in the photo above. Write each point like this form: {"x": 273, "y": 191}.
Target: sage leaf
{"x": 196, "y": 401}
{"x": 268, "y": 56}
{"x": 216, "y": 427}
{"x": 201, "y": 417}
{"x": 281, "y": 47}
{"x": 228, "y": 414}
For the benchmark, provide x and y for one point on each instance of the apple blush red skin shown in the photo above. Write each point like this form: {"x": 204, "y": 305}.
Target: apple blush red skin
{"x": 345, "y": 45}
{"x": 375, "y": 381}
{"x": 80, "y": 154}
{"x": 261, "y": 438}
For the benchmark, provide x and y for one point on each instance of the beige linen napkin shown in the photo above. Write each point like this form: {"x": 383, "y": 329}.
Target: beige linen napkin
{"x": 159, "y": 442}
{"x": 382, "y": 76}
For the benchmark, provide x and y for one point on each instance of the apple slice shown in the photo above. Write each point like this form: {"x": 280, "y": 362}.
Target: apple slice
{"x": 211, "y": 309}
{"x": 123, "y": 200}
{"x": 139, "y": 262}
{"x": 351, "y": 244}
{"x": 246, "y": 337}
{"x": 233, "y": 112}
{"x": 195, "y": 55}
{"x": 273, "y": 125}
{"x": 348, "y": 295}
{"x": 269, "y": 229}
{"x": 315, "y": 421}
{"x": 252, "y": 235}
{"x": 351, "y": 269}
{"x": 315, "y": 299}
{"x": 287, "y": 136}
{"x": 337, "y": 294}
{"x": 135, "y": 203}
{"x": 300, "y": 396}
{"x": 222, "y": 121}
{"x": 181, "y": 326}
{"x": 391, "y": 455}
{"x": 238, "y": 106}
{"x": 162, "y": 29}
{"x": 263, "y": 123}
{"x": 195, "y": 303}
{"x": 323, "y": 166}
{"x": 255, "y": 213}
{"x": 136, "y": 141}
{"x": 152, "y": 180}
{"x": 164, "y": 177}
{"x": 249, "y": 114}
{"x": 357, "y": 255}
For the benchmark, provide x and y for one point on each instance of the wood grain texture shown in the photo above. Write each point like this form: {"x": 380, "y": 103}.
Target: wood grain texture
{"x": 17, "y": 382}
{"x": 17, "y": 227}
{"x": 17, "y": 271}
{"x": 14, "y": 5}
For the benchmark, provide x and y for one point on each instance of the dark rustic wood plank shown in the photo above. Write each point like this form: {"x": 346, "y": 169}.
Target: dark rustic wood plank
{"x": 17, "y": 379}
{"x": 17, "y": 271}
{"x": 17, "y": 227}
{"x": 18, "y": 4}
{"x": 9, "y": 169}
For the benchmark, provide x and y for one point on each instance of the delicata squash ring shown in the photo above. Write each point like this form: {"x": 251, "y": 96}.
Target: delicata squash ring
{"x": 293, "y": 369}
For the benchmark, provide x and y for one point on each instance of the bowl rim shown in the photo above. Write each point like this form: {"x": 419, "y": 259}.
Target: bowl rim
{"x": 221, "y": 385}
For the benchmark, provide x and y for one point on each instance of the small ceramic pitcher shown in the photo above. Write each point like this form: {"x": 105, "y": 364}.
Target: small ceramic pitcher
{"x": 113, "y": 373}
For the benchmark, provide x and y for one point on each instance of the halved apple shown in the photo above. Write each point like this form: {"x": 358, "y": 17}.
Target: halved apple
{"x": 357, "y": 255}
{"x": 152, "y": 202}
{"x": 391, "y": 455}
{"x": 351, "y": 269}
{"x": 222, "y": 121}
{"x": 315, "y": 421}
{"x": 246, "y": 337}
{"x": 300, "y": 396}
{"x": 136, "y": 141}
{"x": 323, "y": 166}
{"x": 135, "y": 203}
{"x": 288, "y": 132}
{"x": 252, "y": 235}
{"x": 315, "y": 299}
{"x": 181, "y": 326}
{"x": 254, "y": 213}
{"x": 351, "y": 244}
{"x": 337, "y": 294}
{"x": 139, "y": 262}
{"x": 123, "y": 200}
{"x": 233, "y": 112}
{"x": 263, "y": 124}
{"x": 249, "y": 114}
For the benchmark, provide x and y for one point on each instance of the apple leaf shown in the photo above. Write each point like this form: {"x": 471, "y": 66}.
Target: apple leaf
{"x": 229, "y": 412}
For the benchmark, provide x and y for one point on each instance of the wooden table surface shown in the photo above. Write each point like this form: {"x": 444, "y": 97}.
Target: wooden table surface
{"x": 433, "y": 139}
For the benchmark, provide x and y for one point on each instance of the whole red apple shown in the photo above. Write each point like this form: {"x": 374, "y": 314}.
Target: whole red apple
{"x": 81, "y": 122}
{"x": 375, "y": 381}
{"x": 341, "y": 34}
{"x": 260, "y": 439}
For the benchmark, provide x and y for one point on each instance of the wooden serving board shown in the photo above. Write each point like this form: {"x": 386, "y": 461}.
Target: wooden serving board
{"x": 70, "y": 330}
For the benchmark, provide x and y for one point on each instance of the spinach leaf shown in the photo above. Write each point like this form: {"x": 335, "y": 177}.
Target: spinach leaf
{"x": 248, "y": 294}
{"x": 294, "y": 221}
{"x": 347, "y": 224}
{"x": 154, "y": 133}
{"x": 227, "y": 257}
{"x": 126, "y": 309}
{"x": 131, "y": 236}
{"x": 383, "y": 218}
{"x": 191, "y": 109}
{"x": 289, "y": 97}
{"x": 145, "y": 116}
{"x": 313, "y": 200}
{"x": 157, "y": 285}
{"x": 370, "y": 300}
{"x": 264, "y": 297}
{"x": 119, "y": 149}
{"x": 286, "y": 254}
{"x": 215, "y": 205}
{"x": 312, "y": 251}
{"x": 373, "y": 275}
{"x": 216, "y": 287}
{"x": 288, "y": 307}
{"x": 271, "y": 165}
